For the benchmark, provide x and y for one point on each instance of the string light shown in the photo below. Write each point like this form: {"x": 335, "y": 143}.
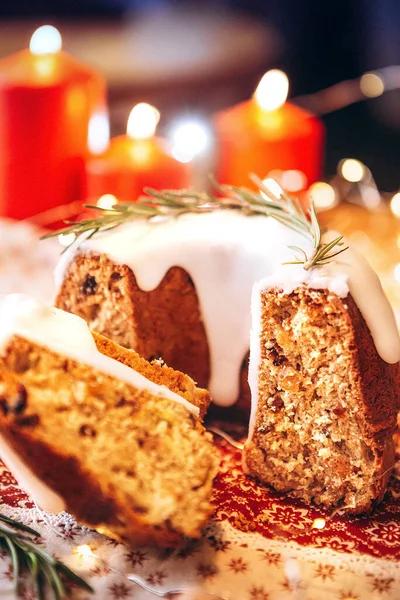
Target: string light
{"x": 84, "y": 550}
{"x": 273, "y": 186}
{"x": 319, "y": 523}
{"x": 189, "y": 139}
{"x": 107, "y": 201}
{"x": 371, "y": 196}
{"x": 372, "y": 85}
{"x": 66, "y": 239}
{"x": 323, "y": 195}
{"x": 395, "y": 205}
{"x": 293, "y": 180}
{"x": 352, "y": 170}
{"x": 275, "y": 174}
{"x": 345, "y": 93}
{"x": 85, "y": 556}
{"x": 98, "y": 133}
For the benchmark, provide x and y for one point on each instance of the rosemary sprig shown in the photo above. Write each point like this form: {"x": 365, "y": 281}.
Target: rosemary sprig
{"x": 46, "y": 571}
{"x": 173, "y": 203}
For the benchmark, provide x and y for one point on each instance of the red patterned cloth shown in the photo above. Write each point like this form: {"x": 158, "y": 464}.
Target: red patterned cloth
{"x": 249, "y": 506}
{"x": 259, "y": 546}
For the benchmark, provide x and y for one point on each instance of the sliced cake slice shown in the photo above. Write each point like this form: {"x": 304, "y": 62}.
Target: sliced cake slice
{"x": 324, "y": 401}
{"x": 110, "y": 438}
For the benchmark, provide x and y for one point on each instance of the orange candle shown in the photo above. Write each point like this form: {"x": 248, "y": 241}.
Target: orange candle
{"x": 266, "y": 134}
{"x": 47, "y": 100}
{"x": 135, "y": 161}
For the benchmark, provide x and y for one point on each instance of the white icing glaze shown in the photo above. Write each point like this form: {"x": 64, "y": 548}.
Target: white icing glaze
{"x": 349, "y": 272}
{"x": 225, "y": 253}
{"x": 366, "y": 290}
{"x": 70, "y": 336}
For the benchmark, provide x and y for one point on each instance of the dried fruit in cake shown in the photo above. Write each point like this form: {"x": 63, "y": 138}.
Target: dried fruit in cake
{"x": 91, "y": 428}
{"x": 224, "y": 251}
{"x": 324, "y": 401}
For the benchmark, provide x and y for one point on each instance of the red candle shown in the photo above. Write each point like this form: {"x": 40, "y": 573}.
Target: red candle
{"x": 267, "y": 134}
{"x": 47, "y": 100}
{"x": 135, "y": 161}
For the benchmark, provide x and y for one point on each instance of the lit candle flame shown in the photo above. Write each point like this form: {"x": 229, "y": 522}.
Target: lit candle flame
{"x": 107, "y": 201}
{"x": 142, "y": 121}
{"x": 272, "y": 91}
{"x": 45, "y": 40}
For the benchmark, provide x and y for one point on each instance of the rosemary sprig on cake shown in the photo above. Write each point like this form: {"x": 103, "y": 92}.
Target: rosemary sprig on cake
{"x": 173, "y": 203}
{"x": 47, "y": 572}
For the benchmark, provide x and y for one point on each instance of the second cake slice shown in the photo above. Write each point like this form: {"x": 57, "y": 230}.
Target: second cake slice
{"x": 123, "y": 448}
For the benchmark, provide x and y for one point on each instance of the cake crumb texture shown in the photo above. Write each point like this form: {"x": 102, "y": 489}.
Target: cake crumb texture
{"x": 162, "y": 323}
{"x": 327, "y": 402}
{"x": 125, "y": 461}
{"x": 108, "y": 297}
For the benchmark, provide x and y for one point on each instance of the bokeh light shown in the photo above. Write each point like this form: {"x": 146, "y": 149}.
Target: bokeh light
{"x": 66, "y": 239}
{"x": 189, "y": 139}
{"x": 395, "y": 205}
{"x": 107, "y": 201}
{"x": 352, "y": 170}
{"x": 273, "y": 186}
{"x": 372, "y": 85}
{"x": 323, "y": 195}
{"x": 293, "y": 180}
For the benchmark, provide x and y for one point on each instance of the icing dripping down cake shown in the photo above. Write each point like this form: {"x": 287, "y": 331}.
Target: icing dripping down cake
{"x": 179, "y": 289}
{"x": 324, "y": 348}
{"x": 90, "y": 427}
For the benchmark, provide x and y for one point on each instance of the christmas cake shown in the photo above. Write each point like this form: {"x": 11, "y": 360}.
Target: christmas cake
{"x": 91, "y": 428}
{"x": 325, "y": 348}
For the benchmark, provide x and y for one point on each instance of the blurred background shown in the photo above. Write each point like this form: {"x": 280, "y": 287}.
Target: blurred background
{"x": 196, "y": 58}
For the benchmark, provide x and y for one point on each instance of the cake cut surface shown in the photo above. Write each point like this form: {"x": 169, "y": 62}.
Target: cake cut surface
{"x": 324, "y": 402}
{"x": 180, "y": 289}
{"x": 129, "y": 461}
{"x": 323, "y": 392}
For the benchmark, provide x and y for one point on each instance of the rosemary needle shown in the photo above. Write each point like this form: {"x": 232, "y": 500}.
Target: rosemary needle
{"x": 19, "y": 540}
{"x": 173, "y": 203}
